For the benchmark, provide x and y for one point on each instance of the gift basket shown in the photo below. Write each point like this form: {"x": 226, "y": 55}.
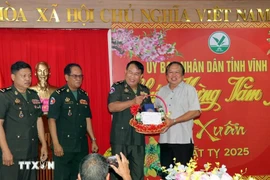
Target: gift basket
{"x": 142, "y": 128}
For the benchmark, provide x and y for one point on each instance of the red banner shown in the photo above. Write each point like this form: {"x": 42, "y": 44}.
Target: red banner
{"x": 228, "y": 65}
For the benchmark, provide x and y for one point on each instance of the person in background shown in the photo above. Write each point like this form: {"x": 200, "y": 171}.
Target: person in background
{"x": 20, "y": 126}
{"x": 44, "y": 89}
{"x": 182, "y": 101}
{"x": 69, "y": 121}
{"x": 95, "y": 167}
{"x": 123, "y": 137}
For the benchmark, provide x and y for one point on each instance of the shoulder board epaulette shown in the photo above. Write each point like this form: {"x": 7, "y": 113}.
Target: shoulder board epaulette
{"x": 83, "y": 91}
{"x": 32, "y": 90}
{"x": 5, "y": 89}
{"x": 118, "y": 82}
{"x": 58, "y": 91}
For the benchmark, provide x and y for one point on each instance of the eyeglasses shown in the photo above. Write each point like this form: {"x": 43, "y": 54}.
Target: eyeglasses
{"x": 75, "y": 76}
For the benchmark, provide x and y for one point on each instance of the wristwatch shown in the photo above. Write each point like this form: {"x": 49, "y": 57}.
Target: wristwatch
{"x": 93, "y": 139}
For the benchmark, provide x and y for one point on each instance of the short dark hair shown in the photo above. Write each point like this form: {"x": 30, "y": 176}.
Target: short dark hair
{"x": 93, "y": 167}
{"x": 137, "y": 64}
{"x": 18, "y": 66}
{"x": 178, "y": 63}
{"x": 68, "y": 67}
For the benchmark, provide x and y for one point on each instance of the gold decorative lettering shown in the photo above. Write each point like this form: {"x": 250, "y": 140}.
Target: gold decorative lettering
{"x": 204, "y": 129}
{"x": 117, "y": 13}
{"x": 263, "y": 16}
{"x": 54, "y": 14}
{"x": 102, "y": 15}
{"x": 1, "y": 14}
{"x": 10, "y": 14}
{"x": 126, "y": 12}
{"x": 21, "y": 15}
{"x": 87, "y": 13}
{"x": 243, "y": 91}
{"x": 255, "y": 65}
{"x": 208, "y": 98}
{"x": 145, "y": 14}
{"x": 236, "y": 66}
{"x": 193, "y": 66}
{"x": 6, "y": 13}
{"x": 72, "y": 13}
{"x": 226, "y": 14}
{"x": 185, "y": 16}
{"x": 200, "y": 14}
{"x": 219, "y": 131}
{"x": 216, "y": 14}
{"x": 42, "y": 12}
{"x": 230, "y": 129}
{"x": 215, "y": 66}
{"x": 245, "y": 17}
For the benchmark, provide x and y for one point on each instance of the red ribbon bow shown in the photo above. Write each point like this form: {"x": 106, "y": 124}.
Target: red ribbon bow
{"x": 134, "y": 109}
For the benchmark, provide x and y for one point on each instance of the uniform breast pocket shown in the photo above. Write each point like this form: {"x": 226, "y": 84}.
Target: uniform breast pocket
{"x": 18, "y": 144}
{"x": 84, "y": 107}
{"x": 121, "y": 133}
{"x": 126, "y": 97}
{"x": 67, "y": 110}
{"x": 19, "y": 110}
{"x": 68, "y": 139}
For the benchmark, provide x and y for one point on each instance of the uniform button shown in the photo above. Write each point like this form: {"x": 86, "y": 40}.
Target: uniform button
{"x": 81, "y": 126}
{"x": 33, "y": 139}
{"x": 18, "y": 136}
{"x": 127, "y": 97}
{"x": 20, "y": 108}
{"x": 122, "y": 127}
{"x": 79, "y": 114}
{"x": 33, "y": 126}
{"x": 77, "y": 103}
{"x": 80, "y": 137}
{"x": 30, "y": 114}
{"x": 85, "y": 106}
{"x": 68, "y": 135}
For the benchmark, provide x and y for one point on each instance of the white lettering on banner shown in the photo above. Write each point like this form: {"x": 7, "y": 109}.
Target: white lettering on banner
{"x": 36, "y": 165}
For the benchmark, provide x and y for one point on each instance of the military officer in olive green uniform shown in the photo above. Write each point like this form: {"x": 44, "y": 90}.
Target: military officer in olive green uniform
{"x": 124, "y": 138}
{"x": 69, "y": 122}
{"x": 20, "y": 126}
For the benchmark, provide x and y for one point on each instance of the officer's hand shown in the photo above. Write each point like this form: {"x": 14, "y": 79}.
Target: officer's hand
{"x": 58, "y": 150}
{"x": 138, "y": 99}
{"x": 43, "y": 153}
{"x": 7, "y": 158}
{"x": 94, "y": 147}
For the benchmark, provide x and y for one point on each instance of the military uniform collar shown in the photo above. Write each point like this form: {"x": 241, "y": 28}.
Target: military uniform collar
{"x": 16, "y": 92}
{"x": 128, "y": 89}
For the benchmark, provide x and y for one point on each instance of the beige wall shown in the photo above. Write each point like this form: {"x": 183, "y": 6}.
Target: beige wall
{"x": 101, "y": 13}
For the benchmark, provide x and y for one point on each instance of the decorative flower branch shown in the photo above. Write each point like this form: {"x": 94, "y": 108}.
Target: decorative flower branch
{"x": 151, "y": 47}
